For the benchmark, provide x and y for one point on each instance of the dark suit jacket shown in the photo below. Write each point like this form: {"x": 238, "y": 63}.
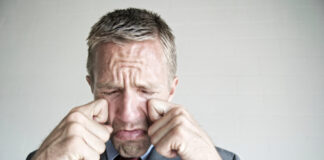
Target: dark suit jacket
{"x": 154, "y": 155}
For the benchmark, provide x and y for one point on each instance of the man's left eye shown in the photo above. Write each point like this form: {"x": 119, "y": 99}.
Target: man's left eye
{"x": 147, "y": 92}
{"x": 110, "y": 93}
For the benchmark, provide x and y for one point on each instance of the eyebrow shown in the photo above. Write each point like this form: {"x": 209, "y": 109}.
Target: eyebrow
{"x": 147, "y": 86}
{"x": 108, "y": 85}
{"x": 111, "y": 85}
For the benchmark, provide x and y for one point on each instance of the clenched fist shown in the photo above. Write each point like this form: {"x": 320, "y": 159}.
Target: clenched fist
{"x": 82, "y": 134}
{"x": 175, "y": 132}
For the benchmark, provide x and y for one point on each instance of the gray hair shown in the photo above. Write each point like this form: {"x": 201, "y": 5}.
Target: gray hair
{"x": 131, "y": 24}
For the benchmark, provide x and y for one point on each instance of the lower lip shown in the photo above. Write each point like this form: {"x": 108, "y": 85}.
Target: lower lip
{"x": 130, "y": 135}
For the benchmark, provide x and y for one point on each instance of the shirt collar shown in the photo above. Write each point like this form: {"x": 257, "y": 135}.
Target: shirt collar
{"x": 112, "y": 153}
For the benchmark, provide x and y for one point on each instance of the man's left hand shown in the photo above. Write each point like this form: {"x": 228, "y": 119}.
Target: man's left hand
{"x": 174, "y": 132}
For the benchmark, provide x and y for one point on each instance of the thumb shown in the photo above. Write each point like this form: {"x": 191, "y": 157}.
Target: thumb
{"x": 96, "y": 110}
{"x": 158, "y": 108}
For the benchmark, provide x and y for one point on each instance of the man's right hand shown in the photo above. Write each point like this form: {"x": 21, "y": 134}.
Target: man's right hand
{"x": 82, "y": 134}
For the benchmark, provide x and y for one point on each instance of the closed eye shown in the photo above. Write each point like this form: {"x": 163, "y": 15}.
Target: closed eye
{"x": 111, "y": 92}
{"x": 147, "y": 92}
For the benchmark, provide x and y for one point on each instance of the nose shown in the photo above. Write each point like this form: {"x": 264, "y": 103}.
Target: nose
{"x": 131, "y": 108}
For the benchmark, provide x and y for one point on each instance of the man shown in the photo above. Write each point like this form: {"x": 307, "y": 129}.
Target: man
{"x": 132, "y": 75}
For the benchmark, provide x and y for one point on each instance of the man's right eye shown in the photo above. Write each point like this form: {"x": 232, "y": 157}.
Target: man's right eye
{"x": 110, "y": 92}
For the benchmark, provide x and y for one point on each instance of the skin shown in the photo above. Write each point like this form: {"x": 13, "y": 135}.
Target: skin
{"x": 127, "y": 76}
{"x": 132, "y": 107}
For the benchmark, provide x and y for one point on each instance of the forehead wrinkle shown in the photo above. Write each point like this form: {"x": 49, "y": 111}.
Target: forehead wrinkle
{"x": 121, "y": 53}
{"x": 128, "y": 61}
{"x": 121, "y": 66}
{"x": 126, "y": 74}
{"x": 132, "y": 74}
{"x": 139, "y": 58}
{"x": 132, "y": 77}
{"x": 117, "y": 63}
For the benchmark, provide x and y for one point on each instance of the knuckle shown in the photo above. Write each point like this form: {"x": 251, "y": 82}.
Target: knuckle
{"x": 178, "y": 119}
{"x": 75, "y": 116}
{"x": 179, "y": 111}
{"x": 178, "y": 130}
{"x": 102, "y": 148}
{"x": 106, "y": 137}
{"x": 74, "y": 141}
{"x": 91, "y": 155}
{"x": 75, "y": 109}
{"x": 74, "y": 128}
{"x": 153, "y": 140}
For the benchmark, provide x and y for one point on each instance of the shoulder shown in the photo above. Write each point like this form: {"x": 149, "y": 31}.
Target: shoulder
{"x": 30, "y": 155}
{"x": 227, "y": 155}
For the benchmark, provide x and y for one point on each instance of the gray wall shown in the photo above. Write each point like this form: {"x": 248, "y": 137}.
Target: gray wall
{"x": 251, "y": 71}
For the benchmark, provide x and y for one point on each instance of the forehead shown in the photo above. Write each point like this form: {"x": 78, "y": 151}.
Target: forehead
{"x": 149, "y": 49}
{"x": 146, "y": 58}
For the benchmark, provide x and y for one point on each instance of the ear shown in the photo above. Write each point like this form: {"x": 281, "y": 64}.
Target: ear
{"x": 90, "y": 82}
{"x": 173, "y": 87}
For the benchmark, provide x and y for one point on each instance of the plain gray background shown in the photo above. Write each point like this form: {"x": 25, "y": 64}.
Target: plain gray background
{"x": 251, "y": 71}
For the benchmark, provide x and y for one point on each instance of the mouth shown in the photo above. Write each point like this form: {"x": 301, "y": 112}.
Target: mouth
{"x": 130, "y": 134}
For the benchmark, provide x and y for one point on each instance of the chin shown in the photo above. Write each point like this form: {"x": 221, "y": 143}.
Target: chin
{"x": 131, "y": 148}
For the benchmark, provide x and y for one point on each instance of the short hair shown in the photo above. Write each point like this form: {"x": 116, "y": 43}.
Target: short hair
{"x": 132, "y": 24}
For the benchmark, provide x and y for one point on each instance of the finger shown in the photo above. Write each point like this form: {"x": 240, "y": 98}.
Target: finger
{"x": 161, "y": 122}
{"x": 89, "y": 153}
{"x": 178, "y": 121}
{"x": 81, "y": 149}
{"x": 174, "y": 112}
{"x": 158, "y": 108}
{"x": 102, "y": 131}
{"x": 96, "y": 110}
{"x": 93, "y": 141}
{"x": 170, "y": 145}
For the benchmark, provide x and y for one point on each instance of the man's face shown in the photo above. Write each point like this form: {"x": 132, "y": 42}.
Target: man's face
{"x": 127, "y": 76}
